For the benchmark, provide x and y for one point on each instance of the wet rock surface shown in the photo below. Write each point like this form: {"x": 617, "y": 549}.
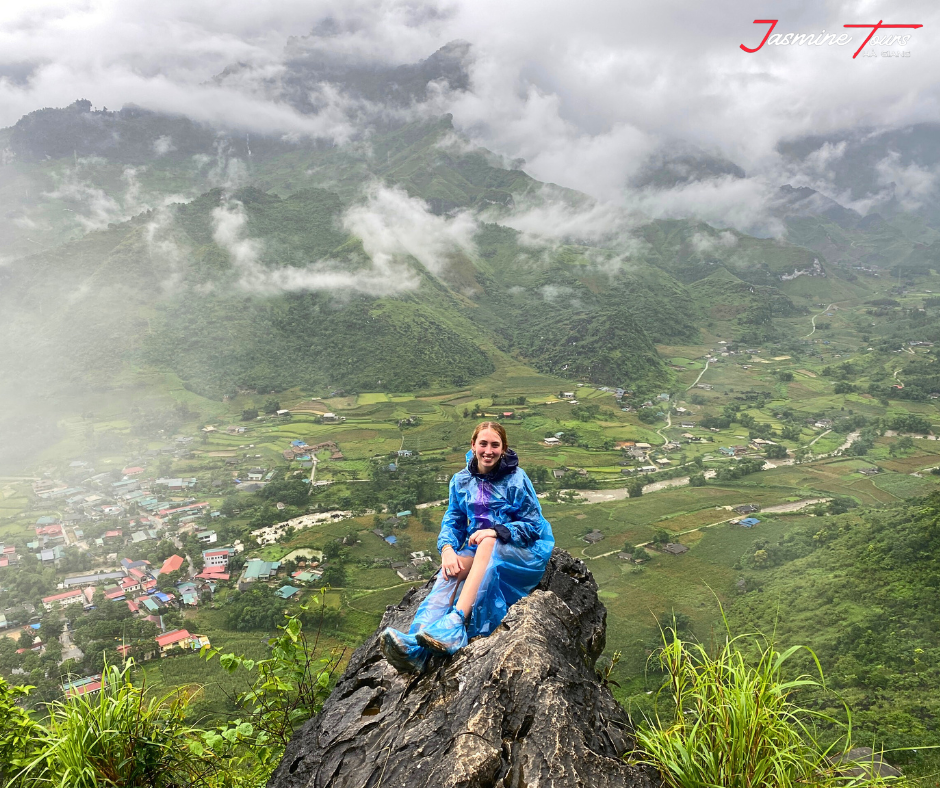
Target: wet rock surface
{"x": 522, "y": 707}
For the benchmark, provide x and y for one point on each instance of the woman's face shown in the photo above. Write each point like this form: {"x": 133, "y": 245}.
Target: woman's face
{"x": 487, "y": 448}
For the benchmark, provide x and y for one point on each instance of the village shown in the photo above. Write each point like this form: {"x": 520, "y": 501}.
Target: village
{"x": 115, "y": 521}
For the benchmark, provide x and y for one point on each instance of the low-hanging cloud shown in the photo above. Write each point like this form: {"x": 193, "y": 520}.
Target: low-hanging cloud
{"x": 584, "y": 96}
{"x": 392, "y": 227}
{"x": 909, "y": 183}
{"x": 95, "y": 209}
{"x": 556, "y": 222}
{"x": 706, "y": 243}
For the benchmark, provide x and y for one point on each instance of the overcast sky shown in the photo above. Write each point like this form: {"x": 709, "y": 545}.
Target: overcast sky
{"x": 582, "y": 91}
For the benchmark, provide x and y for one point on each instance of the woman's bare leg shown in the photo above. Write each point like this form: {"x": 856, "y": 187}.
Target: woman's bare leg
{"x": 474, "y": 576}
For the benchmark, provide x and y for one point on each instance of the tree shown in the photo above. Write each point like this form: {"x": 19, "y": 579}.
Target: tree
{"x": 249, "y": 414}
{"x": 333, "y": 549}
{"x": 791, "y": 432}
{"x": 905, "y": 443}
{"x": 50, "y": 627}
{"x": 334, "y": 575}
{"x": 775, "y": 452}
{"x": 271, "y": 406}
{"x": 698, "y": 480}
{"x": 785, "y": 376}
{"x": 635, "y": 488}
{"x": 20, "y": 735}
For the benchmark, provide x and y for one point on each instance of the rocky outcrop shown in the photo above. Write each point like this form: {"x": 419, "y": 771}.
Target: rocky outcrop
{"x": 521, "y": 708}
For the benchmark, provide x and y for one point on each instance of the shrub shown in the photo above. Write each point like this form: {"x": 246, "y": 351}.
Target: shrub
{"x": 119, "y": 737}
{"x": 735, "y": 724}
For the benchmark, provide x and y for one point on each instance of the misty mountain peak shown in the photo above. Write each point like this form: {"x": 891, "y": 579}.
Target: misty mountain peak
{"x": 309, "y": 64}
{"x": 679, "y": 164}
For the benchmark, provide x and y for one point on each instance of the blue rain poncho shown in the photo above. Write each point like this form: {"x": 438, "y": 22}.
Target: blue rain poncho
{"x": 505, "y": 501}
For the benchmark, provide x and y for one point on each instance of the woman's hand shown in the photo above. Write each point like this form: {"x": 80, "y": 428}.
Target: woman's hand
{"x": 450, "y": 566}
{"x": 478, "y": 536}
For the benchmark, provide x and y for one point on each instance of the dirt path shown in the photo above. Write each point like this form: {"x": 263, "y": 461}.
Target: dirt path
{"x": 821, "y": 435}
{"x": 814, "y": 320}
{"x": 659, "y": 432}
{"x": 699, "y": 376}
{"x": 897, "y": 379}
{"x": 794, "y": 506}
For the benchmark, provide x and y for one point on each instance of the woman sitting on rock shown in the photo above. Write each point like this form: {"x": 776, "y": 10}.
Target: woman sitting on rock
{"x": 494, "y": 544}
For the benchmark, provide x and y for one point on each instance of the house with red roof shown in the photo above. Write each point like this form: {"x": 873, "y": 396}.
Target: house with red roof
{"x": 172, "y": 564}
{"x": 83, "y": 686}
{"x": 213, "y": 573}
{"x": 180, "y": 638}
{"x": 129, "y": 584}
{"x": 212, "y": 559}
{"x": 70, "y": 597}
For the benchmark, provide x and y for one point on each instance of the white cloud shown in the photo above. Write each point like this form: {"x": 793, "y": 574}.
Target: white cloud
{"x": 94, "y": 209}
{"x": 583, "y": 93}
{"x": 909, "y": 183}
{"x": 556, "y": 222}
{"x": 742, "y": 203}
{"x": 163, "y": 145}
{"x": 705, "y": 243}
{"x": 391, "y": 224}
{"x": 392, "y": 227}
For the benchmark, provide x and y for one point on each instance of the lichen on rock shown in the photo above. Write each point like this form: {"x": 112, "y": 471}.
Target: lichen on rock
{"x": 522, "y": 707}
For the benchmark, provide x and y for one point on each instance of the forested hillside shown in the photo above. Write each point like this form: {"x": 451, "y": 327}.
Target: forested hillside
{"x": 862, "y": 592}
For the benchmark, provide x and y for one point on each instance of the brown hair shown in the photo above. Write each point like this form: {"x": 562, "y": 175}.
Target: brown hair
{"x": 496, "y": 427}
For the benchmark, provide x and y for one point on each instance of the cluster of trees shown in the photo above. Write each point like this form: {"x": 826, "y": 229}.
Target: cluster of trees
{"x": 739, "y": 469}
{"x": 99, "y": 632}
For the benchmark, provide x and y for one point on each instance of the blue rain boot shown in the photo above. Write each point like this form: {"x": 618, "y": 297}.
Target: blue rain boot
{"x": 447, "y": 635}
{"x": 402, "y": 651}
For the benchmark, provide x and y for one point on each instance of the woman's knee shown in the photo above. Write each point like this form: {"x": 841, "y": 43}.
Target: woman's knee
{"x": 465, "y": 561}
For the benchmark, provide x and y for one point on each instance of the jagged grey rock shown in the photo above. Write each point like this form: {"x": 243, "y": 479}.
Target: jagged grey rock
{"x": 522, "y": 707}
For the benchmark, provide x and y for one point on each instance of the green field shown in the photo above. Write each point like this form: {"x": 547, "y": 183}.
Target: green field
{"x": 435, "y": 426}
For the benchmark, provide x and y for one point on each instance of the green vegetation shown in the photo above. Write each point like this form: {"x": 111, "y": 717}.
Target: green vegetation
{"x": 117, "y": 737}
{"x": 733, "y": 722}
{"x": 125, "y": 735}
{"x": 780, "y": 374}
{"x": 860, "y": 590}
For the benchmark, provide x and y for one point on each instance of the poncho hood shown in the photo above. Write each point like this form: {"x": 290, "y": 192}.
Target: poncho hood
{"x": 507, "y": 464}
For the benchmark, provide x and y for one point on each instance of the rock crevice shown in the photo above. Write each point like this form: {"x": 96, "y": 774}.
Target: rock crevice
{"x": 522, "y": 707}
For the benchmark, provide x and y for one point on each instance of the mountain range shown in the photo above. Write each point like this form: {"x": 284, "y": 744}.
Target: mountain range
{"x": 407, "y": 258}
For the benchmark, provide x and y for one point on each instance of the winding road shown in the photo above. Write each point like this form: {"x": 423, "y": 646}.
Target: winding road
{"x": 814, "y": 320}
{"x": 659, "y": 432}
{"x": 707, "y": 362}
